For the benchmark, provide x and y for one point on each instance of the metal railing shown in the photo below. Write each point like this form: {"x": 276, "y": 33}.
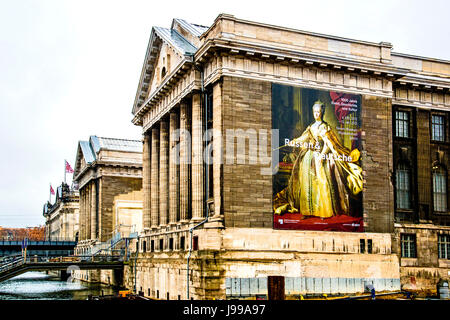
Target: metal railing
{"x": 17, "y": 261}
{"x": 14, "y": 262}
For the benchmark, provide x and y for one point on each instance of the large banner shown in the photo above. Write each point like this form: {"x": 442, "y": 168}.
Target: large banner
{"x": 318, "y": 185}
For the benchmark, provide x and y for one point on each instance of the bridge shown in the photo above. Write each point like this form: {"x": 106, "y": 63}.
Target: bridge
{"x": 58, "y": 255}
{"x": 12, "y": 266}
{"x": 39, "y": 248}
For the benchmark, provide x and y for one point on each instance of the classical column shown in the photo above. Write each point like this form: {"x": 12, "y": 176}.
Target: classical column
{"x": 164, "y": 172}
{"x": 100, "y": 206}
{"x": 83, "y": 215}
{"x": 217, "y": 147}
{"x": 80, "y": 215}
{"x": 146, "y": 180}
{"x": 89, "y": 211}
{"x": 197, "y": 158}
{"x": 185, "y": 160}
{"x": 93, "y": 210}
{"x": 85, "y": 211}
{"x": 174, "y": 161}
{"x": 155, "y": 179}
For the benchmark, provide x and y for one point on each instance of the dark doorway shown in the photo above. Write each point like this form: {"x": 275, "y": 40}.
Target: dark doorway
{"x": 275, "y": 285}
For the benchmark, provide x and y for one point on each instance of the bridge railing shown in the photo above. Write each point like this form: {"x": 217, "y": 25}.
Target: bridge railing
{"x": 9, "y": 258}
{"x": 45, "y": 259}
{"x": 10, "y": 264}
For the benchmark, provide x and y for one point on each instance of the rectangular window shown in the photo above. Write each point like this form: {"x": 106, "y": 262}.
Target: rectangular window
{"x": 437, "y": 128}
{"x": 402, "y": 124}
{"x": 369, "y": 246}
{"x": 195, "y": 243}
{"x": 152, "y": 245}
{"x": 403, "y": 186}
{"x": 182, "y": 243}
{"x": 408, "y": 245}
{"x": 161, "y": 244}
{"x": 362, "y": 245}
{"x": 171, "y": 244}
{"x": 440, "y": 191}
{"x": 444, "y": 246}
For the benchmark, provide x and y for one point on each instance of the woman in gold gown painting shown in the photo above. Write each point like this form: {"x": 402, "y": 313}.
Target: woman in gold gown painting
{"x": 324, "y": 176}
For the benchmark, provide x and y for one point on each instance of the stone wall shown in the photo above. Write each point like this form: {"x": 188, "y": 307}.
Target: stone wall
{"x": 378, "y": 199}
{"x": 311, "y": 262}
{"x": 111, "y": 187}
{"x": 247, "y": 194}
{"x": 424, "y": 271}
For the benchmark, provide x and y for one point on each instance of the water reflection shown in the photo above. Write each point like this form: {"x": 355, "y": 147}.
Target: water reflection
{"x": 40, "y": 286}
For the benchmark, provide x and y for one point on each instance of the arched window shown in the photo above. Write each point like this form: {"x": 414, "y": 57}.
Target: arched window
{"x": 403, "y": 186}
{"x": 440, "y": 189}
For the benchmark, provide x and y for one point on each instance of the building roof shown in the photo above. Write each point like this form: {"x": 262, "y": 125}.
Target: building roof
{"x": 117, "y": 144}
{"x": 176, "y": 40}
{"x": 180, "y": 43}
{"x": 89, "y": 150}
{"x": 195, "y": 29}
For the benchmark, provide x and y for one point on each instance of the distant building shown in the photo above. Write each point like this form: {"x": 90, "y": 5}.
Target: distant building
{"x": 329, "y": 170}
{"x": 62, "y": 216}
{"x": 108, "y": 173}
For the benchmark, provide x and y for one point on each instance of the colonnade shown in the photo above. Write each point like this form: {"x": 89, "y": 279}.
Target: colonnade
{"x": 88, "y": 228}
{"x": 173, "y": 168}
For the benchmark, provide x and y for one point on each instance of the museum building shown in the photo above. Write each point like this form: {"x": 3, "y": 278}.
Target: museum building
{"x": 61, "y": 217}
{"x": 108, "y": 174}
{"x": 280, "y": 163}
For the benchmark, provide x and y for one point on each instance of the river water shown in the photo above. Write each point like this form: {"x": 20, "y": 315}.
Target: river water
{"x": 40, "y": 286}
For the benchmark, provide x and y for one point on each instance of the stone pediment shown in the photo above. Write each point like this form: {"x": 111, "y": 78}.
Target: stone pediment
{"x": 167, "y": 48}
{"x": 85, "y": 155}
{"x": 107, "y": 150}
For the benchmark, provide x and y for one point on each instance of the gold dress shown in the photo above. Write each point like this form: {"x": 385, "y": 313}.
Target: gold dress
{"x": 323, "y": 177}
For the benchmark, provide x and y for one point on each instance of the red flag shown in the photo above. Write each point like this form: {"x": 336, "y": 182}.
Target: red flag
{"x": 68, "y": 167}
{"x": 51, "y": 190}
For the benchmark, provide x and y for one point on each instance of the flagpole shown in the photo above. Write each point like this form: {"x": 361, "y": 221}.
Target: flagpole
{"x": 50, "y": 195}
{"x": 65, "y": 171}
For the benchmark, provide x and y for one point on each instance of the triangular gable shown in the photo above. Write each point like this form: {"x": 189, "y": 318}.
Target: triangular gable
{"x": 161, "y": 42}
{"x": 85, "y": 155}
{"x": 94, "y": 143}
{"x": 189, "y": 31}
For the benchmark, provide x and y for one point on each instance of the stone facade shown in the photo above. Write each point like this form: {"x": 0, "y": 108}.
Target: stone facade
{"x": 62, "y": 217}
{"x": 108, "y": 173}
{"x": 209, "y": 226}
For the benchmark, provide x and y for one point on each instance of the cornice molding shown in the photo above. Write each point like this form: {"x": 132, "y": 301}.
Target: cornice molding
{"x": 280, "y": 64}
{"x": 283, "y": 54}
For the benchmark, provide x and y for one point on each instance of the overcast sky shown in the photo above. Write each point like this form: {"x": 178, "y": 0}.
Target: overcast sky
{"x": 70, "y": 69}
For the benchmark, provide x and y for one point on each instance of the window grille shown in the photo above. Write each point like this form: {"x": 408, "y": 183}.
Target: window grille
{"x": 408, "y": 245}
{"x": 402, "y": 124}
{"x": 437, "y": 128}
{"x": 403, "y": 187}
{"x": 440, "y": 191}
{"x": 444, "y": 246}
